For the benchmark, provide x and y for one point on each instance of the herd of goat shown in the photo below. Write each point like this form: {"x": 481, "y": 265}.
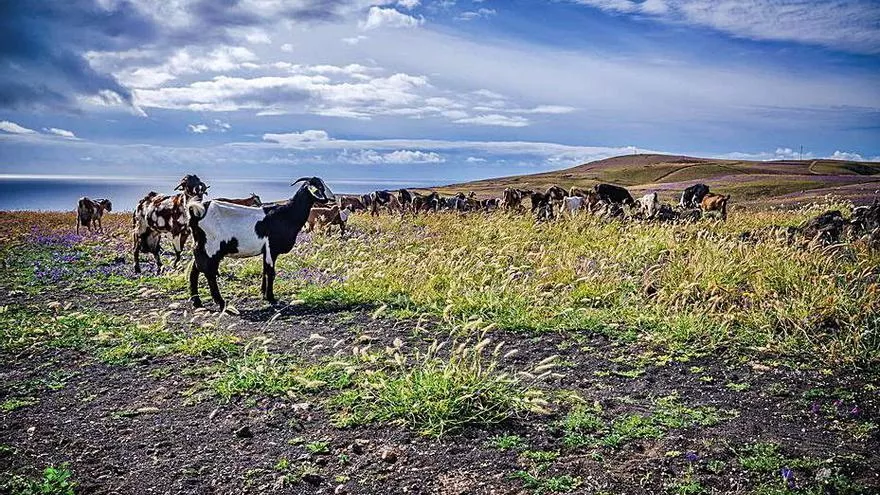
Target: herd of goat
{"x": 603, "y": 199}
{"x": 247, "y": 227}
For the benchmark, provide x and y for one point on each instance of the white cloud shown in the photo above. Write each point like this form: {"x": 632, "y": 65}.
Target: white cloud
{"x": 320, "y": 140}
{"x": 494, "y": 119}
{"x": 408, "y": 4}
{"x": 13, "y": 128}
{"x": 474, "y": 159}
{"x": 354, "y": 40}
{"x": 395, "y": 157}
{"x": 287, "y": 47}
{"x": 476, "y": 14}
{"x": 216, "y": 125}
{"x": 379, "y": 17}
{"x": 60, "y": 132}
{"x": 847, "y": 155}
{"x": 849, "y": 25}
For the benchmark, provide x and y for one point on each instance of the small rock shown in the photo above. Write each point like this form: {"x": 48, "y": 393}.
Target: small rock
{"x": 340, "y": 490}
{"x": 389, "y": 455}
{"x": 147, "y": 410}
{"x": 760, "y": 367}
{"x": 301, "y": 407}
{"x": 31, "y": 430}
{"x": 214, "y": 413}
{"x": 244, "y": 432}
{"x": 313, "y": 479}
{"x": 358, "y": 446}
{"x": 174, "y": 305}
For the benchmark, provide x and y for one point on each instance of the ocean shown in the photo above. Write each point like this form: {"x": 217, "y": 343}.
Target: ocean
{"x": 60, "y": 193}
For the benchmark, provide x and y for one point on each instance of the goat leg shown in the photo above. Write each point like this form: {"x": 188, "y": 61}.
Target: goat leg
{"x": 194, "y": 285}
{"x": 269, "y": 270}
{"x": 137, "y": 252}
{"x": 211, "y": 275}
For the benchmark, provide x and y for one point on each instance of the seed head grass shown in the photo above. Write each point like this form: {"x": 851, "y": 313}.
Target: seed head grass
{"x": 696, "y": 286}
{"x": 438, "y": 391}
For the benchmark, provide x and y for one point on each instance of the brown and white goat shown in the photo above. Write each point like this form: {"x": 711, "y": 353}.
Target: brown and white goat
{"x": 252, "y": 200}
{"x": 715, "y": 202}
{"x": 325, "y": 216}
{"x": 89, "y": 212}
{"x": 158, "y": 214}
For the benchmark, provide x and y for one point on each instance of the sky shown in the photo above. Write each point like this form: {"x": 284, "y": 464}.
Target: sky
{"x": 435, "y": 90}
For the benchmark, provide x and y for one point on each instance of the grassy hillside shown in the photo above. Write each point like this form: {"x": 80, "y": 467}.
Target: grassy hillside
{"x": 750, "y": 182}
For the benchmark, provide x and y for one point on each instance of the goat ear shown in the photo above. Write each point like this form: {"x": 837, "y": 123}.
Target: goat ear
{"x": 179, "y": 187}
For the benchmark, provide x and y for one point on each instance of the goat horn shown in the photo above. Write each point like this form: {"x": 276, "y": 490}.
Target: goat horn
{"x": 301, "y": 179}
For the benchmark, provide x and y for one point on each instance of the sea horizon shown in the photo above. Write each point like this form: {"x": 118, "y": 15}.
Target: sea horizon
{"x": 36, "y": 192}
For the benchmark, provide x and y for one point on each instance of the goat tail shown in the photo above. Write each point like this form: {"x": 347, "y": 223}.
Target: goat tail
{"x": 196, "y": 210}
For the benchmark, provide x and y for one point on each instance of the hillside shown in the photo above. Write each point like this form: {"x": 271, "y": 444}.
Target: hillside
{"x": 754, "y": 182}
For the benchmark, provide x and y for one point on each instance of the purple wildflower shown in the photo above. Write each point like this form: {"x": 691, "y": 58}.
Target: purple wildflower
{"x": 815, "y": 408}
{"x": 691, "y": 457}
{"x": 855, "y": 411}
{"x": 788, "y": 477}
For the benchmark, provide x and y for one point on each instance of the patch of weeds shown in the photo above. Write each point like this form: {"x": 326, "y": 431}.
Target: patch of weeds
{"x": 257, "y": 371}
{"x": 862, "y": 431}
{"x": 438, "y": 395}
{"x": 716, "y": 466}
{"x": 669, "y": 412}
{"x": 215, "y": 344}
{"x": 763, "y": 457}
{"x": 540, "y": 456}
{"x": 282, "y": 464}
{"x": 580, "y": 424}
{"x": 54, "y": 481}
{"x": 738, "y": 387}
{"x": 547, "y": 484}
{"x": 506, "y": 442}
{"x": 13, "y": 403}
{"x": 633, "y": 373}
{"x": 630, "y": 427}
{"x": 24, "y": 327}
{"x": 585, "y": 426}
{"x": 687, "y": 486}
{"x": 318, "y": 447}
{"x": 295, "y": 474}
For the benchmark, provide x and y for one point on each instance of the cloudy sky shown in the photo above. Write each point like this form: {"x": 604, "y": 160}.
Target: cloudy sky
{"x": 428, "y": 89}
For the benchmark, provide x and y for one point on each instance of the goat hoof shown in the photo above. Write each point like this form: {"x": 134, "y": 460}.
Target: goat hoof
{"x": 196, "y": 302}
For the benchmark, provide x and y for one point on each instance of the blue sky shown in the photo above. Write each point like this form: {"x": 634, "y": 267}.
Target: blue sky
{"x": 437, "y": 90}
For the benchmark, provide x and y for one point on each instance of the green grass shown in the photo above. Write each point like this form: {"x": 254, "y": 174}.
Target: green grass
{"x": 708, "y": 289}
{"x": 507, "y": 442}
{"x": 53, "y": 481}
{"x": 539, "y": 484}
{"x": 437, "y": 395}
{"x": 259, "y": 372}
{"x": 13, "y": 403}
{"x": 585, "y": 426}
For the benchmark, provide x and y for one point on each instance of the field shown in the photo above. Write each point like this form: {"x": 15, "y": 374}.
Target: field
{"x": 752, "y": 184}
{"x": 447, "y": 354}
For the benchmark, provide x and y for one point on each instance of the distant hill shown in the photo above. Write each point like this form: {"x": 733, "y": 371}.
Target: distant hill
{"x": 772, "y": 182}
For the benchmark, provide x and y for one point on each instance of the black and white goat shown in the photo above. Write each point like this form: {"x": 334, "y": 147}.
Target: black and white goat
{"x": 225, "y": 229}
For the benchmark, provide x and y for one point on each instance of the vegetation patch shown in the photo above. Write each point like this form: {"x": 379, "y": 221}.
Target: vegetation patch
{"x": 438, "y": 394}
